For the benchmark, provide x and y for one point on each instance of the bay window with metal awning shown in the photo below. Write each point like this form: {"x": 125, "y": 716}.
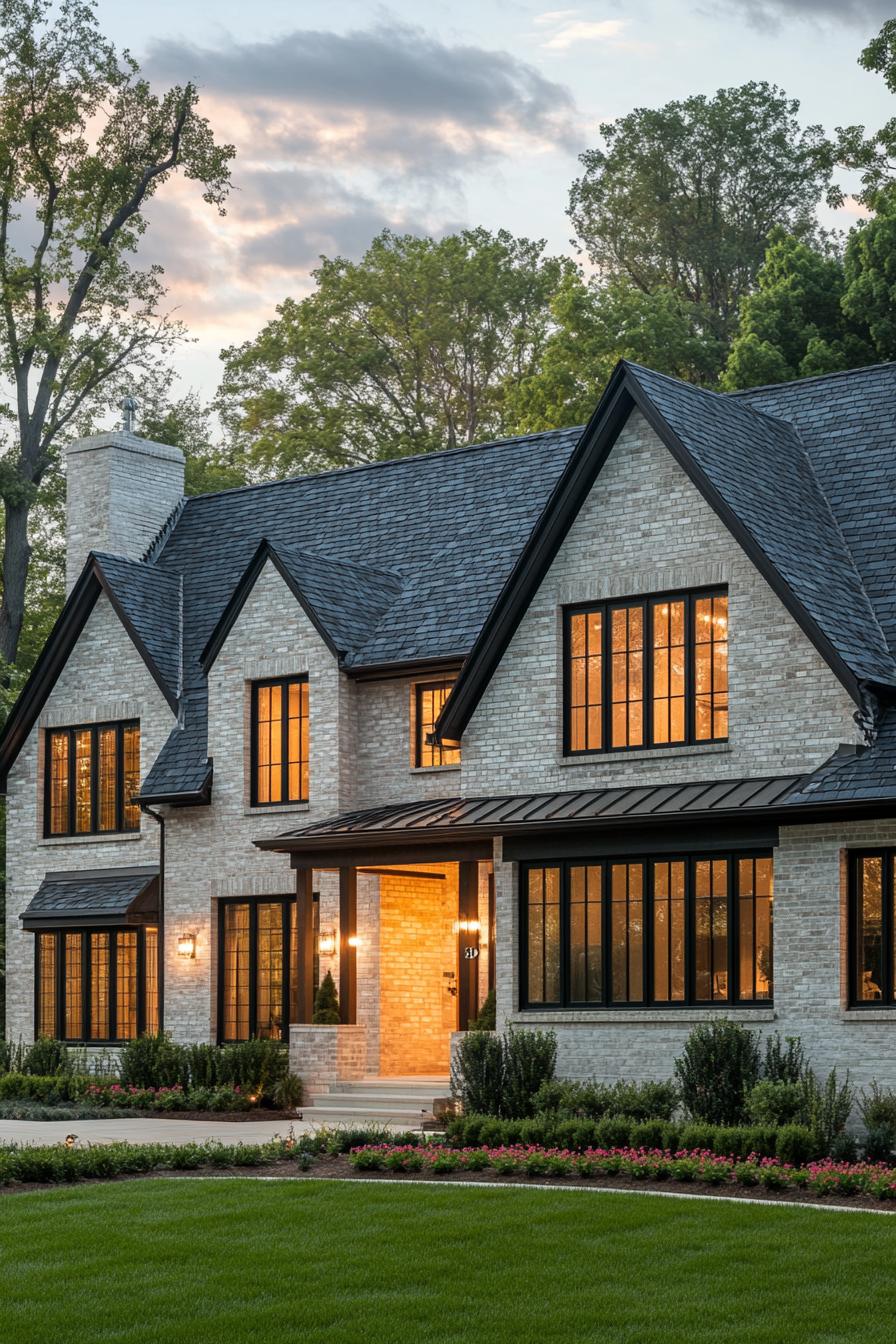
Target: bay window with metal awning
{"x": 96, "y": 951}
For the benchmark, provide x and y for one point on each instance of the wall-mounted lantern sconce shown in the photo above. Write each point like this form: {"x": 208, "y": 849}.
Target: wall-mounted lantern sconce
{"x": 186, "y": 945}
{"x": 466, "y": 926}
{"x": 326, "y": 943}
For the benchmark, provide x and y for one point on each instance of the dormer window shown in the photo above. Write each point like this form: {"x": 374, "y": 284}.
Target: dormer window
{"x": 280, "y": 741}
{"x": 92, "y": 774}
{"x": 651, "y": 672}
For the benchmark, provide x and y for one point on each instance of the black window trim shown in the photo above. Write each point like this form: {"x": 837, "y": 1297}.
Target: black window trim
{"x": 649, "y": 1004}
{"x": 646, "y": 601}
{"x": 887, "y": 855}
{"x": 253, "y": 902}
{"x": 284, "y": 801}
{"x": 94, "y": 729}
{"x": 430, "y": 684}
{"x": 59, "y": 933}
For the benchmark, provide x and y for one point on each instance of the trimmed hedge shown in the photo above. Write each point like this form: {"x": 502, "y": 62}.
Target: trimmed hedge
{"x": 60, "y": 1164}
{"x": 620, "y": 1131}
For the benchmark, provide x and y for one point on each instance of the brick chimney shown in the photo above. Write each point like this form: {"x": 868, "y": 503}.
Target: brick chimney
{"x": 120, "y": 491}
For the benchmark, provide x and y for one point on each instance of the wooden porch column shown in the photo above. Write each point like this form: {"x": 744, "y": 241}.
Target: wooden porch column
{"x": 467, "y": 944}
{"x": 304, "y": 1005}
{"x": 348, "y": 959}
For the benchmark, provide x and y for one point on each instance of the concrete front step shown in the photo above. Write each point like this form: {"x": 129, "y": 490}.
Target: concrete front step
{"x": 406, "y": 1102}
{"x": 360, "y": 1101}
{"x": 379, "y": 1115}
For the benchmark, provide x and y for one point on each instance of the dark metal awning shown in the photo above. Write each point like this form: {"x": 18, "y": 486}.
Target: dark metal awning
{"x": 457, "y": 821}
{"x": 94, "y": 897}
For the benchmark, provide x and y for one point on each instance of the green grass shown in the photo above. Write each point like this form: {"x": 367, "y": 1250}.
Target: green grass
{"x": 237, "y": 1261}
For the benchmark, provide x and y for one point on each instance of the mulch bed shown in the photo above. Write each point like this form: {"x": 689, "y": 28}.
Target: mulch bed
{"x": 339, "y": 1168}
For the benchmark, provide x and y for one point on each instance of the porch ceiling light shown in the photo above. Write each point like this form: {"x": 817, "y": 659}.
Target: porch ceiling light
{"x": 326, "y": 943}
{"x": 186, "y": 945}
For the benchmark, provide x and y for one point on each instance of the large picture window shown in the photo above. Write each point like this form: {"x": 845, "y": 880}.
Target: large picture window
{"x": 872, "y": 919}
{"x": 92, "y": 774}
{"x": 97, "y": 984}
{"x": 646, "y": 673}
{"x": 280, "y": 741}
{"x": 258, "y": 963}
{"x": 647, "y": 932}
{"x": 429, "y": 699}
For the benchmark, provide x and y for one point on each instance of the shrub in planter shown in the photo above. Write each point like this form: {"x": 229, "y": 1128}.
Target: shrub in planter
{"x": 717, "y": 1069}
{"x": 795, "y": 1145}
{"x": 530, "y": 1058}
{"x": 477, "y": 1073}
{"x": 486, "y": 1018}
{"x": 784, "y": 1062}
{"x": 326, "y": 1003}
{"x": 154, "y": 1061}
{"x": 776, "y": 1103}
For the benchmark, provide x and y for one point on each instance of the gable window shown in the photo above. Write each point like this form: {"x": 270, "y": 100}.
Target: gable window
{"x": 258, "y": 963}
{"x": 97, "y": 984}
{"x": 429, "y": 698}
{"x": 646, "y": 673}
{"x": 91, "y": 776}
{"x": 280, "y": 741}
{"x": 872, "y": 941}
{"x": 647, "y": 932}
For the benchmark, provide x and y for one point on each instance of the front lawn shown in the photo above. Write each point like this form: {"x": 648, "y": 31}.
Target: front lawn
{"x": 202, "y": 1262}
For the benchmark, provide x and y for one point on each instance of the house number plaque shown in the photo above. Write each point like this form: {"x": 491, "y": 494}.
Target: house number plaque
{"x": 471, "y": 953}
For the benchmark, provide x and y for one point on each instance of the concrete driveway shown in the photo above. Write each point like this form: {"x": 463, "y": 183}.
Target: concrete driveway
{"x": 148, "y": 1130}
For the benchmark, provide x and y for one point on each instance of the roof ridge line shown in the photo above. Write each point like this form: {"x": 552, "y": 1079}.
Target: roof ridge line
{"x": 382, "y": 462}
{"x": 811, "y": 378}
{"x": 334, "y": 560}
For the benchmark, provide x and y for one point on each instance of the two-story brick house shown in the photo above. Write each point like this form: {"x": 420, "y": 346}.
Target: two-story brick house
{"x": 600, "y": 717}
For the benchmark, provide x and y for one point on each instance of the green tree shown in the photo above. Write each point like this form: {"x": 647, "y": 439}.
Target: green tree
{"x": 415, "y": 347}
{"x": 326, "y": 1003}
{"x": 684, "y": 197}
{"x": 870, "y": 275}
{"x": 872, "y": 155}
{"x": 84, "y": 145}
{"x": 185, "y": 423}
{"x": 794, "y": 323}
{"x": 596, "y": 326}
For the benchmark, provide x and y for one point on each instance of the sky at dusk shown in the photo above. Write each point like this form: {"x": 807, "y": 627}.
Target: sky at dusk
{"x": 349, "y": 117}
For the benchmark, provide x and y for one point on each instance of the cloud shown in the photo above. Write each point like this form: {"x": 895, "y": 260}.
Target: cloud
{"x": 771, "y": 13}
{"x": 392, "y": 92}
{"x": 571, "y": 31}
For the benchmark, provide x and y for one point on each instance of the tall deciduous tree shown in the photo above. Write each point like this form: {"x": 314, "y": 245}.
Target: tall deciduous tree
{"x": 413, "y": 348}
{"x": 84, "y": 145}
{"x": 597, "y": 325}
{"x": 871, "y": 154}
{"x": 870, "y": 273}
{"x": 794, "y": 324}
{"x": 684, "y": 197}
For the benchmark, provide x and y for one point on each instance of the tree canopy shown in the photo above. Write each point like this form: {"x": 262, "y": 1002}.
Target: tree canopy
{"x": 684, "y": 197}
{"x": 84, "y": 145}
{"x": 416, "y": 346}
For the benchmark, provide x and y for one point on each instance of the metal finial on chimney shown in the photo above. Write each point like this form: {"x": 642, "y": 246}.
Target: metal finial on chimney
{"x": 129, "y": 416}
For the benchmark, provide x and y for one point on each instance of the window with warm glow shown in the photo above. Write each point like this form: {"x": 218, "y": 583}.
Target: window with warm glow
{"x": 646, "y": 673}
{"x": 280, "y": 741}
{"x": 872, "y": 928}
{"x": 97, "y": 984}
{"x": 644, "y": 932}
{"x": 92, "y": 775}
{"x": 257, "y": 983}
{"x": 429, "y": 698}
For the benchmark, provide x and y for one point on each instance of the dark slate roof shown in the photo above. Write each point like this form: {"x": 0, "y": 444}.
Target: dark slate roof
{"x": 847, "y": 423}
{"x": 853, "y": 777}
{"x": 761, "y": 468}
{"x": 89, "y": 897}
{"x": 182, "y": 768}
{"x": 150, "y": 600}
{"x": 508, "y": 814}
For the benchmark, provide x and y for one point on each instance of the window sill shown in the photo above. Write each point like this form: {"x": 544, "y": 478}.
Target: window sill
{"x": 277, "y": 811}
{"x": 435, "y": 769}
{"x": 635, "y": 1017}
{"x": 887, "y": 1015}
{"x": 611, "y": 758}
{"x": 115, "y": 838}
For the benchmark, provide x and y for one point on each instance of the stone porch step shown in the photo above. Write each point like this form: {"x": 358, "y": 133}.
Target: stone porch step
{"x": 406, "y": 1102}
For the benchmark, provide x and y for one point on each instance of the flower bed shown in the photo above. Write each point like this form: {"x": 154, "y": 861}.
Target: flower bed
{"x": 174, "y": 1098}
{"x": 695, "y": 1166}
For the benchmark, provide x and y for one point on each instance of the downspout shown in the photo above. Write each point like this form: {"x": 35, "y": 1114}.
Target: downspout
{"x": 160, "y": 820}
